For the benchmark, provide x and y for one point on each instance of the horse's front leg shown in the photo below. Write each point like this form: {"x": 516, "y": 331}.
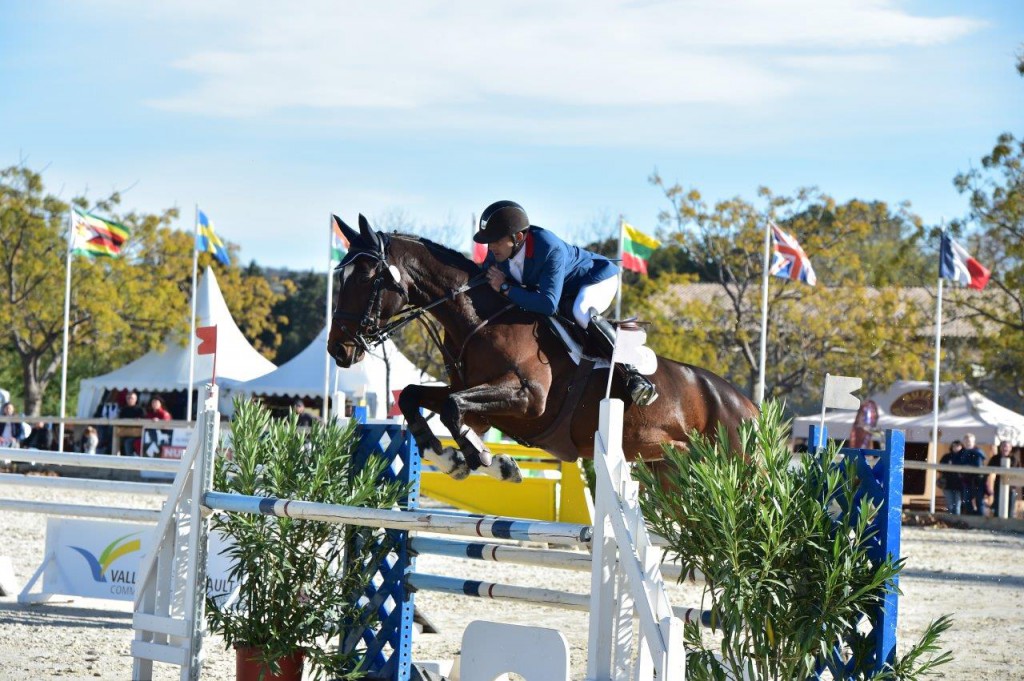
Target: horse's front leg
{"x": 448, "y": 460}
{"x": 507, "y": 396}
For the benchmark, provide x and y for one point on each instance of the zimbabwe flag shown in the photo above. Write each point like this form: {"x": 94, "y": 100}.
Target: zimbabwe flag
{"x": 636, "y": 248}
{"x": 95, "y": 237}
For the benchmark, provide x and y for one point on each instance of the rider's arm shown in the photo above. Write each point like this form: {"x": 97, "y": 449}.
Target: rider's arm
{"x": 549, "y": 287}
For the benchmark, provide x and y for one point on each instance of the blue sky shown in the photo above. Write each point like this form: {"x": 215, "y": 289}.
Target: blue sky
{"x": 270, "y": 115}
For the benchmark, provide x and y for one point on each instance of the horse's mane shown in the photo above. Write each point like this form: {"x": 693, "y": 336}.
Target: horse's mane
{"x": 447, "y": 256}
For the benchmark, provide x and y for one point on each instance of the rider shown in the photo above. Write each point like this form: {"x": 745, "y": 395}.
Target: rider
{"x": 541, "y": 273}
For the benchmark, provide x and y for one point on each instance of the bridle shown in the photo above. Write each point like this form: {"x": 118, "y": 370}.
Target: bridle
{"x": 371, "y": 332}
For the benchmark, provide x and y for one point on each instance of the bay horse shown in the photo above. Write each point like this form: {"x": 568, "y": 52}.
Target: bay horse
{"x": 506, "y": 367}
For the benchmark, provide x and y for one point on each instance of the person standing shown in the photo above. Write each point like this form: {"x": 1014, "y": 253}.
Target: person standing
{"x": 90, "y": 440}
{"x": 157, "y": 411}
{"x": 131, "y": 437}
{"x": 1003, "y": 453}
{"x": 305, "y": 419}
{"x": 974, "y": 484}
{"x": 952, "y": 484}
{"x": 13, "y": 433}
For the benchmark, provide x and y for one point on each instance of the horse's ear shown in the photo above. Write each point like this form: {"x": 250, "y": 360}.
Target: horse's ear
{"x": 351, "y": 235}
{"x": 370, "y": 237}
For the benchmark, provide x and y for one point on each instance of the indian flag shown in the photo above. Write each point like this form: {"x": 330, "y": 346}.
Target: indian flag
{"x": 636, "y": 248}
{"x": 339, "y": 244}
{"x": 95, "y": 237}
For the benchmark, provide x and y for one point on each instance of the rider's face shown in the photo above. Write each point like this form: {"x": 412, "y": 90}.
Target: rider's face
{"x": 501, "y": 249}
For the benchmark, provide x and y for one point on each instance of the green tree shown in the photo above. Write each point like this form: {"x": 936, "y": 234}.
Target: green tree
{"x": 119, "y": 307}
{"x": 995, "y": 193}
{"x": 842, "y": 325}
{"x": 303, "y": 307}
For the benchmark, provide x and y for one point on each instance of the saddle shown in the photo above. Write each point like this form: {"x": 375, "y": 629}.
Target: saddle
{"x": 576, "y": 341}
{"x": 579, "y": 344}
{"x": 557, "y": 438}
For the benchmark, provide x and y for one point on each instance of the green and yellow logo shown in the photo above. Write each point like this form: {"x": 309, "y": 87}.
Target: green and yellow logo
{"x": 114, "y": 550}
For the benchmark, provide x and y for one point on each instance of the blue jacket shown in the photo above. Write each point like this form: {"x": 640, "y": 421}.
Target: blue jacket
{"x": 553, "y": 273}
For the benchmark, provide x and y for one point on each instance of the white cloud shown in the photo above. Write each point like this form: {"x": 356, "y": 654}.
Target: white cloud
{"x": 489, "y": 56}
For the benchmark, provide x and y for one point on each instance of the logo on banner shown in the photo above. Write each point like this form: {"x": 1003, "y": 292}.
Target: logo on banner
{"x": 913, "y": 403}
{"x": 155, "y": 440}
{"x": 114, "y": 550}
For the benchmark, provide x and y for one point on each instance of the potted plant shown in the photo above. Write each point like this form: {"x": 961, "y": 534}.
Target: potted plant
{"x": 291, "y": 601}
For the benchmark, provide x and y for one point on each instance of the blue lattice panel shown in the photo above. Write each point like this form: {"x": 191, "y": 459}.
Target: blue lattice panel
{"x": 387, "y": 646}
{"x": 879, "y": 477}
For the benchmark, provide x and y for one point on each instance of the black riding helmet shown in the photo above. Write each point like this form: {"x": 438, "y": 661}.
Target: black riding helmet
{"x": 501, "y": 220}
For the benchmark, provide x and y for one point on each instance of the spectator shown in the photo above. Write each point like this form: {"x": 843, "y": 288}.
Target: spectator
{"x": 107, "y": 410}
{"x": 305, "y": 418}
{"x": 1005, "y": 452}
{"x": 157, "y": 411}
{"x": 131, "y": 437}
{"x": 974, "y": 484}
{"x": 952, "y": 484}
{"x": 90, "y": 440}
{"x": 41, "y": 437}
{"x": 14, "y": 433}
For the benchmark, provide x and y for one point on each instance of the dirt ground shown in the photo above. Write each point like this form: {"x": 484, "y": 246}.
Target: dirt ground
{"x": 978, "y": 576}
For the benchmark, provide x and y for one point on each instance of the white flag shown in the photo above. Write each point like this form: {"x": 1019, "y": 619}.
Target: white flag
{"x": 839, "y": 392}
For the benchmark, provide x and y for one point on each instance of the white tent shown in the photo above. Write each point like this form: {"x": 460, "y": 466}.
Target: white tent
{"x": 303, "y": 376}
{"x": 907, "y": 406}
{"x": 167, "y": 370}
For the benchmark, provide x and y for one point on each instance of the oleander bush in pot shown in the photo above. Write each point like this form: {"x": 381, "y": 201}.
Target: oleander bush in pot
{"x": 293, "y": 601}
{"x": 787, "y": 579}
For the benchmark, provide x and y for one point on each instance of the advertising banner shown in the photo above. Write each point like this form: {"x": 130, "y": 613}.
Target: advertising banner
{"x": 100, "y": 559}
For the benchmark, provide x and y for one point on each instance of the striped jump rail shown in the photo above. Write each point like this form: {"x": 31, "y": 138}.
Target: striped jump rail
{"x": 569, "y": 534}
{"x": 519, "y": 555}
{"x": 565, "y": 600}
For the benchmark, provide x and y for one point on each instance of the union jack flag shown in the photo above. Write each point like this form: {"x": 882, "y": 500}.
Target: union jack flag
{"x": 789, "y": 260}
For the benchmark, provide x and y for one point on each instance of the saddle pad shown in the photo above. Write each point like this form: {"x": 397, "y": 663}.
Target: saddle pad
{"x": 573, "y": 346}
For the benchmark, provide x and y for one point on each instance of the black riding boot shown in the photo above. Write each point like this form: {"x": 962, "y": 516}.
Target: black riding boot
{"x": 640, "y": 388}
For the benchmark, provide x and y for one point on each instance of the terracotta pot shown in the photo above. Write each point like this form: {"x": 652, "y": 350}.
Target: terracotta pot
{"x": 248, "y": 666}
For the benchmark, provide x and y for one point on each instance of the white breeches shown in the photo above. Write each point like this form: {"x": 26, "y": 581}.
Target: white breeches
{"x": 597, "y": 296}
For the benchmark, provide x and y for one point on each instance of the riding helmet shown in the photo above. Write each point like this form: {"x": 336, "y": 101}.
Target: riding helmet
{"x": 500, "y": 220}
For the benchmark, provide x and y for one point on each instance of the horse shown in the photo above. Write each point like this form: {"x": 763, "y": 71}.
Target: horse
{"x": 506, "y": 367}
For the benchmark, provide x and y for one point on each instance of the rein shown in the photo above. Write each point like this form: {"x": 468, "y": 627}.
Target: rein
{"x": 372, "y": 334}
{"x": 411, "y": 314}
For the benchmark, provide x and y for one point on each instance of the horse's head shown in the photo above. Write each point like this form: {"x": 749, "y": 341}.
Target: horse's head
{"x": 371, "y": 292}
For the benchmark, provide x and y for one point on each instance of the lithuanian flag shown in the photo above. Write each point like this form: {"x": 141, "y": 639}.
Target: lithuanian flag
{"x": 95, "y": 237}
{"x": 636, "y": 248}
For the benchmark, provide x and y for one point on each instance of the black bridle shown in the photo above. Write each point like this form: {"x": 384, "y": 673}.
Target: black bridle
{"x": 371, "y": 332}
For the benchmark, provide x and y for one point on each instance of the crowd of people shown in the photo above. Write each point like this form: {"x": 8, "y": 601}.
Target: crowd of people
{"x": 101, "y": 439}
{"x": 91, "y": 439}
{"x": 977, "y": 494}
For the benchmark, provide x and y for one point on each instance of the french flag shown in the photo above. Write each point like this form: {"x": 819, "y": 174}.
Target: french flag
{"x": 957, "y": 264}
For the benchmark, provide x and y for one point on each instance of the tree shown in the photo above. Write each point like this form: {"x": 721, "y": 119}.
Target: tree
{"x": 303, "y": 307}
{"x": 842, "y": 325}
{"x": 119, "y": 307}
{"x": 995, "y": 193}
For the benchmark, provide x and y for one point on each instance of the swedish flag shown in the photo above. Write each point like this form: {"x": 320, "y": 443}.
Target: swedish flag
{"x": 207, "y": 240}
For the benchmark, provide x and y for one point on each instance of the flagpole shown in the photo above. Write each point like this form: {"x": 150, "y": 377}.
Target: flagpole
{"x": 330, "y": 293}
{"x": 618, "y": 293}
{"x": 933, "y": 456}
{"x": 192, "y": 319}
{"x": 67, "y": 320}
{"x": 759, "y": 393}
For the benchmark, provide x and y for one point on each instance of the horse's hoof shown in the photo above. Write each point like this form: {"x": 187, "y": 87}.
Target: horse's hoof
{"x": 503, "y": 468}
{"x": 509, "y": 468}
